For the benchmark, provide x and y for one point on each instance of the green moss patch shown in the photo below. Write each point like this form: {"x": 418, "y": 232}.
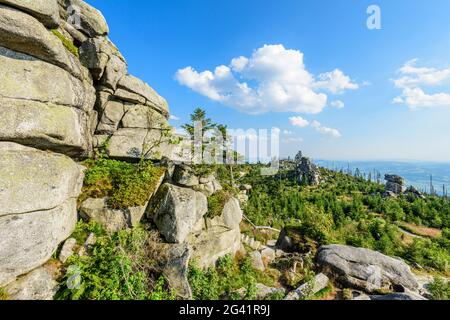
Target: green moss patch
{"x": 125, "y": 184}
{"x": 216, "y": 203}
{"x": 67, "y": 43}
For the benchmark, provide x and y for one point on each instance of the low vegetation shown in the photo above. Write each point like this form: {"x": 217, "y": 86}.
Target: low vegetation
{"x": 3, "y": 294}
{"x": 216, "y": 203}
{"x": 120, "y": 266}
{"x": 230, "y": 279}
{"x": 439, "y": 289}
{"x": 125, "y": 184}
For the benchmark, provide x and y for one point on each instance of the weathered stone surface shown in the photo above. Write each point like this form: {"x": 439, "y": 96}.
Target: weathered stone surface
{"x": 28, "y": 240}
{"x": 33, "y": 180}
{"x": 45, "y": 126}
{"x": 394, "y": 184}
{"x": 131, "y": 143}
{"x": 36, "y": 285}
{"x": 268, "y": 255}
{"x": 232, "y": 214}
{"x": 176, "y": 211}
{"x": 319, "y": 282}
{"x": 365, "y": 269}
{"x": 143, "y": 117}
{"x": 111, "y": 117}
{"x": 111, "y": 219}
{"x": 104, "y": 60}
{"x": 185, "y": 176}
{"x": 139, "y": 87}
{"x": 257, "y": 261}
{"x": 91, "y": 21}
{"x": 208, "y": 245}
{"x": 67, "y": 250}
{"x": 27, "y": 78}
{"x": 175, "y": 267}
{"x": 23, "y": 33}
{"x": 46, "y": 11}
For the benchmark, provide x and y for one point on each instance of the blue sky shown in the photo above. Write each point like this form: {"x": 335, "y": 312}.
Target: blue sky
{"x": 159, "y": 38}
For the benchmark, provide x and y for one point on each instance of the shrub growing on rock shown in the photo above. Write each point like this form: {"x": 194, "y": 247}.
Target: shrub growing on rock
{"x": 126, "y": 184}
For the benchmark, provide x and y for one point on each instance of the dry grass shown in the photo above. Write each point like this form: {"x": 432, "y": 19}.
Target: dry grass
{"x": 422, "y": 231}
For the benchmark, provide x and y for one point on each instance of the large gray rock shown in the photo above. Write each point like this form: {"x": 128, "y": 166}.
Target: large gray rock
{"x": 176, "y": 211}
{"x": 208, "y": 245}
{"x": 23, "y": 33}
{"x": 28, "y": 240}
{"x": 112, "y": 220}
{"x": 140, "y": 88}
{"x": 45, "y": 126}
{"x": 33, "y": 180}
{"x": 27, "y": 78}
{"x": 173, "y": 261}
{"x": 184, "y": 175}
{"x": 86, "y": 18}
{"x": 36, "y": 285}
{"x": 38, "y": 192}
{"x": 398, "y": 297}
{"x": 214, "y": 238}
{"x": 46, "y": 11}
{"x": 365, "y": 269}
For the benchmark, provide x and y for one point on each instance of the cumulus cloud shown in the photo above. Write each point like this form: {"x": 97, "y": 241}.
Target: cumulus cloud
{"x": 336, "y": 82}
{"x": 334, "y": 133}
{"x": 299, "y": 122}
{"x": 174, "y": 118}
{"x": 272, "y": 79}
{"x": 412, "y": 81}
{"x": 337, "y": 104}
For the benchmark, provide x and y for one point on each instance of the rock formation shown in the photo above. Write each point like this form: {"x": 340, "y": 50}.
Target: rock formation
{"x": 395, "y": 184}
{"x": 365, "y": 269}
{"x": 306, "y": 170}
{"x": 65, "y": 92}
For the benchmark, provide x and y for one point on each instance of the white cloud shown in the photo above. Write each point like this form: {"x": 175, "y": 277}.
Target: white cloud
{"x": 334, "y": 133}
{"x": 336, "y": 82}
{"x": 272, "y": 79}
{"x": 337, "y": 104}
{"x": 174, "y": 118}
{"x": 412, "y": 81}
{"x": 299, "y": 122}
{"x": 287, "y": 132}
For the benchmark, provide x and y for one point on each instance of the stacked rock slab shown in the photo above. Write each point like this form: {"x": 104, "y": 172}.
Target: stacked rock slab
{"x": 307, "y": 171}
{"x": 395, "y": 184}
{"x": 65, "y": 90}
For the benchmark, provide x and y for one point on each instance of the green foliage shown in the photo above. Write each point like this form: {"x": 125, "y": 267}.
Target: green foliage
{"x": 349, "y": 210}
{"x": 126, "y": 184}
{"x": 216, "y": 203}
{"x": 119, "y": 267}
{"x": 223, "y": 281}
{"x": 160, "y": 291}
{"x": 67, "y": 43}
{"x": 3, "y": 294}
{"x": 439, "y": 289}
